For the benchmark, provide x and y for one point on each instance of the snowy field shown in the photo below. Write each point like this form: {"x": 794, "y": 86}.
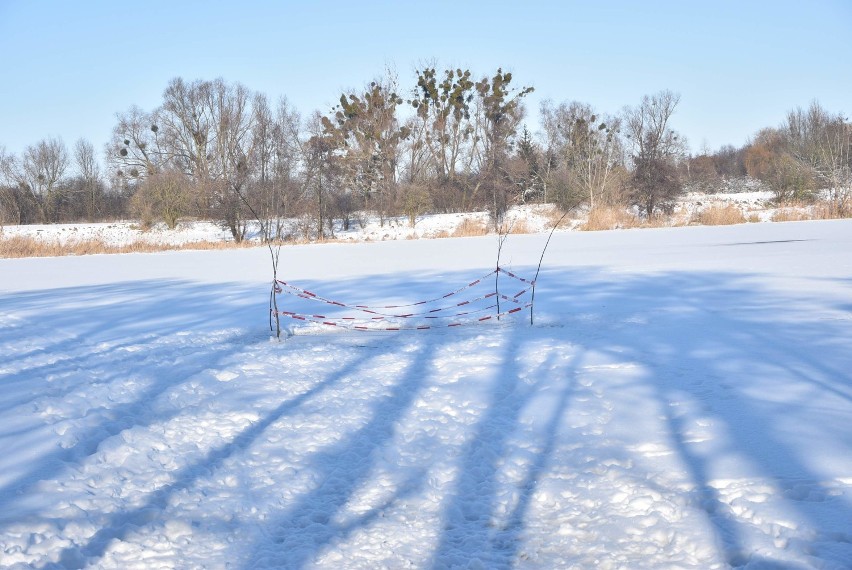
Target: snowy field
{"x": 683, "y": 400}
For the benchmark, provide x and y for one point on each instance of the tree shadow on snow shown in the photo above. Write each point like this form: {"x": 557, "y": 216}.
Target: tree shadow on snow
{"x": 317, "y": 520}
{"x": 301, "y": 531}
{"x": 120, "y": 523}
{"x": 708, "y": 339}
{"x": 104, "y": 337}
{"x": 481, "y": 519}
{"x": 716, "y": 341}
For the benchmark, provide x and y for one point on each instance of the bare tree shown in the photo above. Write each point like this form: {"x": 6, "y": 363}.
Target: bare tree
{"x": 89, "y": 172}
{"x": 835, "y": 164}
{"x": 10, "y": 210}
{"x": 365, "y": 128}
{"x": 499, "y": 115}
{"x": 822, "y": 142}
{"x": 587, "y": 148}
{"x": 162, "y": 196}
{"x": 204, "y": 129}
{"x": 136, "y": 148}
{"x": 322, "y": 174}
{"x": 38, "y": 176}
{"x": 729, "y": 162}
{"x": 188, "y": 126}
{"x": 6, "y": 188}
{"x": 443, "y": 125}
{"x": 276, "y": 158}
{"x": 768, "y": 157}
{"x": 656, "y": 149}
{"x": 234, "y": 148}
{"x": 416, "y": 155}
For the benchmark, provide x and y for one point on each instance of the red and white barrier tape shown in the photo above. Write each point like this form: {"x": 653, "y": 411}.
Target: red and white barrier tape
{"x": 428, "y": 314}
{"x": 345, "y": 323}
{"x": 309, "y": 294}
{"x": 510, "y": 274}
{"x": 368, "y": 323}
{"x": 284, "y": 287}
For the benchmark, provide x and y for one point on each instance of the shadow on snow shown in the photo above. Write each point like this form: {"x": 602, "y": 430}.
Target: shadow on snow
{"x": 704, "y": 337}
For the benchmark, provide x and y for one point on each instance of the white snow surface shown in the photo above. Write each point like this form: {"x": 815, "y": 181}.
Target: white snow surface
{"x": 682, "y": 400}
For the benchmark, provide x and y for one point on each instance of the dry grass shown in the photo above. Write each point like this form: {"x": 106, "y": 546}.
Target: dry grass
{"x": 717, "y": 215}
{"x": 793, "y": 212}
{"x": 831, "y": 211}
{"x": 470, "y": 228}
{"x": 21, "y": 246}
{"x": 519, "y": 226}
{"x": 678, "y": 219}
{"x": 467, "y": 228}
{"x": 663, "y": 221}
{"x": 787, "y": 214}
{"x": 558, "y": 218}
{"x": 619, "y": 218}
{"x": 609, "y": 218}
{"x": 798, "y": 211}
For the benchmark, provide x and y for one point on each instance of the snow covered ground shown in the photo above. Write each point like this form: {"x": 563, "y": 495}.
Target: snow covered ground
{"x": 683, "y": 400}
{"x": 534, "y": 218}
{"x": 529, "y": 218}
{"x": 755, "y": 203}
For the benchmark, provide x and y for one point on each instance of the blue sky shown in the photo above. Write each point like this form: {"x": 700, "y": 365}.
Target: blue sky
{"x": 69, "y": 67}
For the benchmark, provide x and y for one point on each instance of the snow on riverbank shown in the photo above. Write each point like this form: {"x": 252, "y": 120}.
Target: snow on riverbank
{"x": 757, "y": 203}
{"x": 520, "y": 219}
{"x": 683, "y": 400}
{"x": 534, "y": 218}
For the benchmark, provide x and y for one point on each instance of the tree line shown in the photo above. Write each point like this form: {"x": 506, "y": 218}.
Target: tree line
{"x": 450, "y": 142}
